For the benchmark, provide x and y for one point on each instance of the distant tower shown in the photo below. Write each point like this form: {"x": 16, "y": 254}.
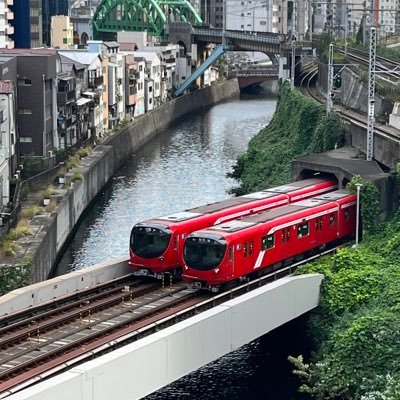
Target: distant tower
{"x": 50, "y": 9}
{"x": 27, "y": 23}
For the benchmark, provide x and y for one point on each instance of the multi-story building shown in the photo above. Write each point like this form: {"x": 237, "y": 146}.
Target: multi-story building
{"x": 36, "y": 81}
{"x": 81, "y": 13}
{"x": 6, "y": 27}
{"x": 51, "y": 8}
{"x": 115, "y": 83}
{"x": 27, "y": 24}
{"x": 92, "y": 88}
{"x": 152, "y": 75}
{"x": 389, "y": 17}
{"x": 62, "y": 32}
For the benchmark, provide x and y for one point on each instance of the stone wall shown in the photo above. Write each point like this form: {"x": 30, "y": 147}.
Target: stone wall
{"x": 51, "y": 231}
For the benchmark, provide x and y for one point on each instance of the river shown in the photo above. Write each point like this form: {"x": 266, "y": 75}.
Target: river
{"x": 186, "y": 166}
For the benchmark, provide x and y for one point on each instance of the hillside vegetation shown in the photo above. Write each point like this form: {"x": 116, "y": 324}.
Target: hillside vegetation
{"x": 356, "y": 330}
{"x": 299, "y": 127}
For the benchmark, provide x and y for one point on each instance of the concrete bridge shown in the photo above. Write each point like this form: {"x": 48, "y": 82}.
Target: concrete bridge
{"x": 148, "y": 364}
{"x": 253, "y": 76}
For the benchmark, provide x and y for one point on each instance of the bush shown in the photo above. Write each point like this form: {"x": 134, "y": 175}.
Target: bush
{"x": 76, "y": 176}
{"x": 84, "y": 151}
{"x": 31, "y": 211}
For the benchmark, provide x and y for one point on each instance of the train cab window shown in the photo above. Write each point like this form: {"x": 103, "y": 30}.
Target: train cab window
{"x": 268, "y": 242}
{"x": 303, "y": 229}
{"x": 332, "y": 220}
{"x": 175, "y": 242}
{"x": 346, "y": 215}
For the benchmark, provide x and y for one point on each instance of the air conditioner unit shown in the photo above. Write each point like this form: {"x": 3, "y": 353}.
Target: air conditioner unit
{"x": 50, "y": 153}
{"x": 16, "y": 176}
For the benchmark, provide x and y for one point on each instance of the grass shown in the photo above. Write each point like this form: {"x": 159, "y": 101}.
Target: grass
{"x": 31, "y": 211}
{"x": 45, "y": 194}
{"x": 84, "y": 151}
{"x": 51, "y": 207}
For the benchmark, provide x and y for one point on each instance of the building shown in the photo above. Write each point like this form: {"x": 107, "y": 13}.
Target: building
{"x": 36, "y": 81}
{"x": 27, "y": 24}
{"x": 51, "y": 8}
{"x": 62, "y": 32}
{"x": 81, "y": 13}
{"x": 6, "y": 27}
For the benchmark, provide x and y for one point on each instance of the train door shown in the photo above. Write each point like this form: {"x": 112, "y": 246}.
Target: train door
{"x": 231, "y": 261}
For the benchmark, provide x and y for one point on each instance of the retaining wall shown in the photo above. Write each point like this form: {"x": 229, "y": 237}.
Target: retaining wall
{"x": 51, "y": 231}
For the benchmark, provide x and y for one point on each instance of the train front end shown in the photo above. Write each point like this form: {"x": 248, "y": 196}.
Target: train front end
{"x": 150, "y": 249}
{"x": 206, "y": 258}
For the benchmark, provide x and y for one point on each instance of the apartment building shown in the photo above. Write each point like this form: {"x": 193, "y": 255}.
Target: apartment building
{"x": 6, "y": 27}
{"x": 27, "y": 24}
{"x": 51, "y": 8}
{"x": 62, "y": 32}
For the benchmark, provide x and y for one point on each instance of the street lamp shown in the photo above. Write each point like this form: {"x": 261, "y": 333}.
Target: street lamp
{"x": 358, "y": 186}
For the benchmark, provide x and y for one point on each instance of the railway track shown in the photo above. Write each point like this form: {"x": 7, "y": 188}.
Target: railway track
{"x": 82, "y": 329}
{"x": 347, "y": 115}
{"x": 386, "y": 68}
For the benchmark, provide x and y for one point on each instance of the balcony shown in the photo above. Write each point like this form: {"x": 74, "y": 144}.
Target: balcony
{"x": 9, "y": 30}
{"x": 65, "y": 97}
{"x": 134, "y": 75}
{"x": 94, "y": 83}
{"x": 9, "y": 15}
{"x": 10, "y": 2}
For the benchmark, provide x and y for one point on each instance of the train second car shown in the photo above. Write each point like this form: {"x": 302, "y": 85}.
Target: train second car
{"x": 156, "y": 245}
{"x": 253, "y": 245}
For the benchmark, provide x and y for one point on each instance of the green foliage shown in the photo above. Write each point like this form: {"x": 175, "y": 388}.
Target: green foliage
{"x": 357, "y": 331}
{"x": 369, "y": 198}
{"x": 31, "y": 211}
{"x": 299, "y": 127}
{"x": 360, "y": 35}
{"x": 15, "y": 277}
{"x": 33, "y": 165}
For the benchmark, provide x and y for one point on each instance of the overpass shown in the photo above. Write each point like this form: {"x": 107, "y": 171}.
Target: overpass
{"x": 152, "y": 362}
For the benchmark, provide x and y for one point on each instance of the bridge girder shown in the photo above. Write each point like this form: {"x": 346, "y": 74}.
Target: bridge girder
{"x": 113, "y": 16}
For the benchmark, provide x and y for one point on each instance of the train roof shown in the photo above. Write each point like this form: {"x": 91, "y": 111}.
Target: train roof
{"x": 290, "y": 187}
{"x": 265, "y": 216}
{"x": 235, "y": 201}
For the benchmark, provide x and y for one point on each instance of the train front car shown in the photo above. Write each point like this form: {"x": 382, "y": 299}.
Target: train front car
{"x": 156, "y": 245}
{"x": 250, "y": 246}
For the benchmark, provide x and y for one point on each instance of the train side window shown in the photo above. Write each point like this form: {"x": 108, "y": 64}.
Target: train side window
{"x": 303, "y": 229}
{"x": 332, "y": 219}
{"x": 268, "y": 242}
{"x": 346, "y": 215}
{"x": 230, "y": 254}
{"x": 318, "y": 224}
{"x": 245, "y": 249}
{"x": 250, "y": 248}
{"x": 285, "y": 235}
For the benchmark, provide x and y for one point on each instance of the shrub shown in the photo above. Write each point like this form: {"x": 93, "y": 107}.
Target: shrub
{"x": 51, "y": 207}
{"x": 84, "y": 151}
{"x": 76, "y": 176}
{"x": 8, "y": 247}
{"x": 19, "y": 231}
{"x": 45, "y": 194}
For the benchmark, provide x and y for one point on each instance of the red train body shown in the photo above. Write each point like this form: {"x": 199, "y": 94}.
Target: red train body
{"x": 249, "y": 246}
{"x": 156, "y": 245}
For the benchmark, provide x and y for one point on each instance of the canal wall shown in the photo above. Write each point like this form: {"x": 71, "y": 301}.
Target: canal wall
{"x": 38, "y": 253}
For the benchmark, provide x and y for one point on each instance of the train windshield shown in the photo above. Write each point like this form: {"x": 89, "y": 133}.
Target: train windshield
{"x": 150, "y": 241}
{"x": 203, "y": 254}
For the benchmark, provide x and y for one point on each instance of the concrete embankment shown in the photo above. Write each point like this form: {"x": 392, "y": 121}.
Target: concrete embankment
{"x": 38, "y": 253}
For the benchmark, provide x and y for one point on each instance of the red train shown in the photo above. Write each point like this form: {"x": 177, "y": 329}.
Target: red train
{"x": 255, "y": 244}
{"x": 156, "y": 245}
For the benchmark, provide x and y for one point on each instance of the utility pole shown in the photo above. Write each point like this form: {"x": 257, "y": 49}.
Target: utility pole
{"x": 329, "y": 89}
{"x": 292, "y": 65}
{"x": 346, "y": 29}
{"x": 223, "y": 21}
{"x": 371, "y": 94}
{"x": 310, "y": 25}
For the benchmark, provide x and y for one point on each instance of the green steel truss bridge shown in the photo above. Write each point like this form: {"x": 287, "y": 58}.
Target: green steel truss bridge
{"x": 152, "y": 16}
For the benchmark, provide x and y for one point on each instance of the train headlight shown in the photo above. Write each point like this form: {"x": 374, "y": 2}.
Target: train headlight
{"x": 186, "y": 267}
{"x": 216, "y": 270}
{"x": 161, "y": 258}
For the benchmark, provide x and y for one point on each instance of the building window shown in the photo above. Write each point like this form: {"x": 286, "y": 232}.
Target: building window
{"x": 25, "y": 111}
{"x": 25, "y": 139}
